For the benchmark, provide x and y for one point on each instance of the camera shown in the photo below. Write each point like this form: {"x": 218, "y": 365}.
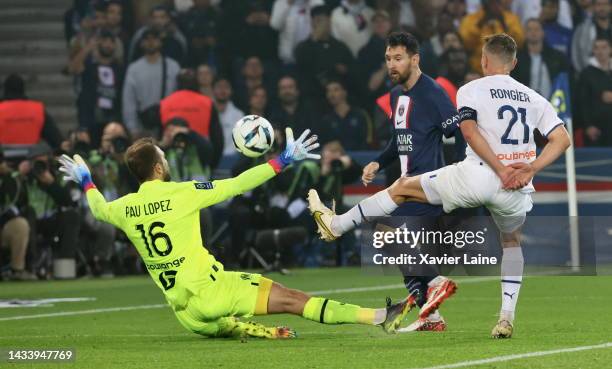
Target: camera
{"x": 180, "y": 140}
{"x": 82, "y": 148}
{"x": 120, "y": 144}
{"x": 39, "y": 167}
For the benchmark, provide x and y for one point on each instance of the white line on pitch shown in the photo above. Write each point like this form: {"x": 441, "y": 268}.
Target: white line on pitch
{"x": 140, "y": 307}
{"x": 498, "y": 359}
{"x": 82, "y": 312}
{"x": 394, "y": 286}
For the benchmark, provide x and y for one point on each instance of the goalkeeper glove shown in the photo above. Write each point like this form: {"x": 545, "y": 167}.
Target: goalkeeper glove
{"x": 77, "y": 171}
{"x": 296, "y": 150}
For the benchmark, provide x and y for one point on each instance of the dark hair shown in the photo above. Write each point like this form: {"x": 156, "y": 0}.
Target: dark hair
{"x": 150, "y": 32}
{"x": 337, "y": 81}
{"x": 162, "y": 8}
{"x": 14, "y": 86}
{"x": 602, "y": 38}
{"x": 319, "y": 10}
{"x": 187, "y": 80}
{"x": 501, "y": 45}
{"x": 544, "y": 2}
{"x": 141, "y": 158}
{"x": 403, "y": 39}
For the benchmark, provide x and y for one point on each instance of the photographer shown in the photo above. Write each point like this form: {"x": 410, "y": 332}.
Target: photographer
{"x": 110, "y": 172}
{"x": 51, "y": 210}
{"x": 189, "y": 155}
{"x": 14, "y": 228}
{"x": 337, "y": 169}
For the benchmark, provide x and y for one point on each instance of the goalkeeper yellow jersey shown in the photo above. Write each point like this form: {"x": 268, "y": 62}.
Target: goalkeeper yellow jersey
{"x": 162, "y": 220}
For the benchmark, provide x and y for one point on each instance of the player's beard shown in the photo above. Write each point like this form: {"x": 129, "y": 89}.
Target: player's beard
{"x": 400, "y": 78}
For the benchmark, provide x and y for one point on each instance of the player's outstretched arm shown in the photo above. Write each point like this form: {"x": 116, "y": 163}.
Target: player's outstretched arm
{"x": 472, "y": 136}
{"x": 76, "y": 170}
{"x": 295, "y": 150}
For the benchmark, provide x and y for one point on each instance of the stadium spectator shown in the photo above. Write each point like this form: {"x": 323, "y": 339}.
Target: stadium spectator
{"x": 392, "y": 7}
{"x": 96, "y": 239}
{"x": 245, "y": 31}
{"x": 599, "y": 26}
{"x": 457, "y": 10}
{"x": 114, "y": 177}
{"x": 147, "y": 81}
{"x": 538, "y": 64}
{"x": 453, "y": 72}
{"x": 351, "y": 23}
{"x": 371, "y": 56}
{"x": 524, "y": 9}
{"x": 258, "y": 102}
{"x": 253, "y": 76}
{"x": 14, "y": 228}
{"x": 24, "y": 121}
{"x": 197, "y": 111}
{"x": 206, "y": 78}
{"x": 349, "y": 124}
{"x": 200, "y": 24}
{"x": 291, "y": 18}
{"x": 229, "y": 114}
{"x": 114, "y": 23}
{"x": 491, "y": 18}
{"x": 173, "y": 42}
{"x": 595, "y": 95}
{"x": 583, "y": 9}
{"x": 555, "y": 35}
{"x": 444, "y": 29}
{"x": 292, "y": 110}
{"x": 84, "y": 42}
{"x": 51, "y": 211}
{"x": 321, "y": 57}
{"x": 189, "y": 154}
{"x": 337, "y": 169}
{"x": 99, "y": 83}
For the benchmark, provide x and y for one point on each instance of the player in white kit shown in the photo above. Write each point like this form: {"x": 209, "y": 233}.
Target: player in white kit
{"x": 498, "y": 118}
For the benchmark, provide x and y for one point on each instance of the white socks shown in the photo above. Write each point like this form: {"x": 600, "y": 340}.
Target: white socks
{"x": 378, "y": 205}
{"x": 511, "y": 277}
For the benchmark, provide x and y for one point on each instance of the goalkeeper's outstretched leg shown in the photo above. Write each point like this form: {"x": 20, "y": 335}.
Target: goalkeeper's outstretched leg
{"x": 327, "y": 311}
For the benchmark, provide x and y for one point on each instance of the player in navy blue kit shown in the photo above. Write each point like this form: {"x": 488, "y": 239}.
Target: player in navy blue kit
{"x": 421, "y": 112}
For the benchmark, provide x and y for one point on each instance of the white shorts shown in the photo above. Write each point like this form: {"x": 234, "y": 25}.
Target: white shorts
{"x": 469, "y": 184}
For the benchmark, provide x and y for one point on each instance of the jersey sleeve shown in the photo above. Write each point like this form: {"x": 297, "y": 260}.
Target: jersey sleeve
{"x": 549, "y": 119}
{"x": 449, "y": 118}
{"x": 206, "y": 194}
{"x": 104, "y": 211}
{"x": 466, "y": 104}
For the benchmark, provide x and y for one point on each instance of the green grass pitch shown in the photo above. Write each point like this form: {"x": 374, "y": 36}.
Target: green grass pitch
{"x": 553, "y": 313}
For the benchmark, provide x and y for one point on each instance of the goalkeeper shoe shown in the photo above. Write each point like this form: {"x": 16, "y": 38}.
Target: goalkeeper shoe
{"x": 322, "y": 216}
{"x": 440, "y": 288}
{"x": 396, "y": 313}
{"x": 252, "y": 329}
{"x": 503, "y": 329}
{"x": 425, "y": 325}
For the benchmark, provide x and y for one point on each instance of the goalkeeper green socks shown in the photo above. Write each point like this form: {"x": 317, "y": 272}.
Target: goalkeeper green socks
{"x": 328, "y": 311}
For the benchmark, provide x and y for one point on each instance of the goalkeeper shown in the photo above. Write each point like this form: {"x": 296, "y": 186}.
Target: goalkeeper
{"x": 162, "y": 222}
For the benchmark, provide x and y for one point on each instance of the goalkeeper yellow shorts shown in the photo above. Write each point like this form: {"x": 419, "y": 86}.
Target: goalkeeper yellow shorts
{"x": 230, "y": 294}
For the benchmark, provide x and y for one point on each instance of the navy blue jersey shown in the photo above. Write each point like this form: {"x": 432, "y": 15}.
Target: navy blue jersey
{"x": 420, "y": 116}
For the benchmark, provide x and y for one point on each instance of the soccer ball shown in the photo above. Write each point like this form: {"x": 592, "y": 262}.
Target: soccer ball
{"x": 253, "y": 135}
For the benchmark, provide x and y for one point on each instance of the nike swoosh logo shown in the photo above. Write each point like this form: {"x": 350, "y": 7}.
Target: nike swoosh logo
{"x": 317, "y": 216}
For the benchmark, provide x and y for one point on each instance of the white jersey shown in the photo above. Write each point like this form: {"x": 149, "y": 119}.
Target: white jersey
{"x": 507, "y": 112}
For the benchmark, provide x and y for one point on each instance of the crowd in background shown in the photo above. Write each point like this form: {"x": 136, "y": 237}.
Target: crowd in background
{"x": 185, "y": 71}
